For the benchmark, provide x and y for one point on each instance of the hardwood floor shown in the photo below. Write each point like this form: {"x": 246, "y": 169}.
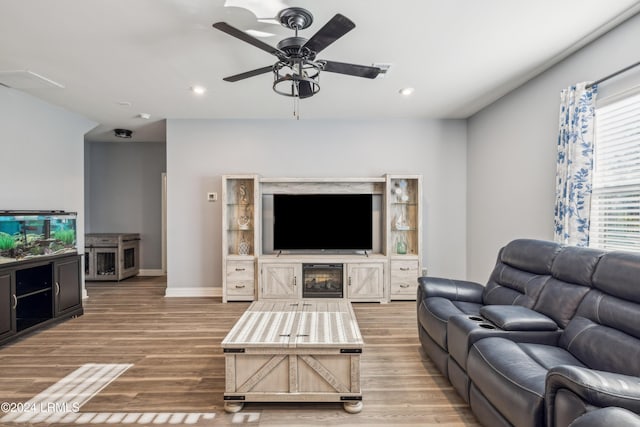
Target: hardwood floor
{"x": 177, "y": 372}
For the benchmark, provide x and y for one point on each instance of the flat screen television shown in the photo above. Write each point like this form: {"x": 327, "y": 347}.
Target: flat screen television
{"x": 322, "y": 222}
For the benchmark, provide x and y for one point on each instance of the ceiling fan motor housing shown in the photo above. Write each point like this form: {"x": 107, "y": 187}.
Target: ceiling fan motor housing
{"x": 295, "y": 18}
{"x": 292, "y": 47}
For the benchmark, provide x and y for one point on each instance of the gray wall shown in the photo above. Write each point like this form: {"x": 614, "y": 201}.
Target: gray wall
{"x": 42, "y": 156}
{"x": 200, "y": 151}
{"x": 512, "y": 149}
{"x": 124, "y": 193}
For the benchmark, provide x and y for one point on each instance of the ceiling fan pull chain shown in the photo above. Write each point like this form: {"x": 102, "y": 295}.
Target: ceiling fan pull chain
{"x": 296, "y": 108}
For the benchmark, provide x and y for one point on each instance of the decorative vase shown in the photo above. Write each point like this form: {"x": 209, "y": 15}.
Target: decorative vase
{"x": 243, "y": 247}
{"x": 401, "y": 245}
{"x": 243, "y": 222}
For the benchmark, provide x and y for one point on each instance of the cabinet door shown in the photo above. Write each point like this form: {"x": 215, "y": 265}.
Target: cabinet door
{"x": 129, "y": 259}
{"x": 365, "y": 281}
{"x": 105, "y": 263}
{"x": 67, "y": 285}
{"x": 88, "y": 264}
{"x": 7, "y": 305}
{"x": 281, "y": 280}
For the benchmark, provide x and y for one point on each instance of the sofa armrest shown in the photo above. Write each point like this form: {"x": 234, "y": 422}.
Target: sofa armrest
{"x": 455, "y": 290}
{"x": 610, "y": 416}
{"x": 517, "y": 318}
{"x": 594, "y": 388}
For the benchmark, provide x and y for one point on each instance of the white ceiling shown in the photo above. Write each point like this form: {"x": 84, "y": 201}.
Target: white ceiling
{"x": 459, "y": 55}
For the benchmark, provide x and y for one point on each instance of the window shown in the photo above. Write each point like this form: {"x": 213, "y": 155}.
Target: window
{"x": 615, "y": 201}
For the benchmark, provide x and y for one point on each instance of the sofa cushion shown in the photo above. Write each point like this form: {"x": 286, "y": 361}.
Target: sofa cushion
{"x": 517, "y": 318}
{"x": 522, "y": 270}
{"x": 607, "y": 318}
{"x": 535, "y": 256}
{"x": 601, "y": 347}
{"x": 572, "y": 270}
{"x": 616, "y": 275}
{"x": 512, "y": 376}
{"x": 559, "y": 300}
{"x": 508, "y": 286}
{"x": 576, "y": 265}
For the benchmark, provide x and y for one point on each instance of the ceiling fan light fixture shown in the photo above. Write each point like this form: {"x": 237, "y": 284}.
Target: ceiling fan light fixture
{"x": 302, "y": 81}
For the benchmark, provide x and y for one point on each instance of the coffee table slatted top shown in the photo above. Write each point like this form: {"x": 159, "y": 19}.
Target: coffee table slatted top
{"x": 296, "y": 323}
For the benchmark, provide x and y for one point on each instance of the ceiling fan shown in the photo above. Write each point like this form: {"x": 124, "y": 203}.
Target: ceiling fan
{"x": 297, "y": 71}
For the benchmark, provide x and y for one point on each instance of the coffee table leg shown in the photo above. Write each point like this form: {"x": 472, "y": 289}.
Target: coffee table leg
{"x": 233, "y": 407}
{"x": 353, "y": 407}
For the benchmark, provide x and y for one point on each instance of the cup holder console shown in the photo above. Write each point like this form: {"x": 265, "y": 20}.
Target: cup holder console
{"x": 481, "y": 322}
{"x": 486, "y": 326}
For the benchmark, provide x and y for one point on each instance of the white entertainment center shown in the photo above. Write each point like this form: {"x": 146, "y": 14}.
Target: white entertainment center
{"x": 253, "y": 269}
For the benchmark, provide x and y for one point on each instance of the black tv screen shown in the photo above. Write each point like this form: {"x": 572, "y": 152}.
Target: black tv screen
{"x": 322, "y": 222}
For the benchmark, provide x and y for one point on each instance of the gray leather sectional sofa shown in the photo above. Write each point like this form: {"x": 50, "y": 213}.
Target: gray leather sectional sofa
{"x": 552, "y": 338}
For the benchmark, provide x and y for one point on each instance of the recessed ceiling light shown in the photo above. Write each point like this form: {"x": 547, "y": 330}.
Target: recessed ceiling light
{"x": 145, "y": 116}
{"x": 198, "y": 90}
{"x": 406, "y": 91}
{"x": 124, "y": 103}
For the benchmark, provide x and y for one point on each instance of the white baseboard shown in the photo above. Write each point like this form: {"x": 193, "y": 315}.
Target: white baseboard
{"x": 193, "y": 292}
{"x": 151, "y": 272}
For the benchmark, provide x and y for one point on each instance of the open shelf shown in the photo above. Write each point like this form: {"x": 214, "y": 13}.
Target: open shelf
{"x": 34, "y": 302}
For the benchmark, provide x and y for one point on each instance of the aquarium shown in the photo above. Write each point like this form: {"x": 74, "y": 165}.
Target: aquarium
{"x": 32, "y": 234}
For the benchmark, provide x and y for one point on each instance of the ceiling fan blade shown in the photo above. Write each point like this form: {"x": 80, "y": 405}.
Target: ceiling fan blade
{"x": 337, "y": 27}
{"x": 248, "y": 74}
{"x": 351, "y": 69}
{"x": 239, "y": 34}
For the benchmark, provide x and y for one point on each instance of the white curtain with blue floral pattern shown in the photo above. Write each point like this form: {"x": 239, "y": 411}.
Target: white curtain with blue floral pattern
{"x": 575, "y": 164}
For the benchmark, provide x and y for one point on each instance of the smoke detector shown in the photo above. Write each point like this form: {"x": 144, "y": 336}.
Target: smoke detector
{"x": 122, "y": 133}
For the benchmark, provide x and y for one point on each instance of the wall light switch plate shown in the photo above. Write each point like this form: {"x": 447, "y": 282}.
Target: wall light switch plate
{"x": 424, "y": 272}
{"x": 212, "y": 197}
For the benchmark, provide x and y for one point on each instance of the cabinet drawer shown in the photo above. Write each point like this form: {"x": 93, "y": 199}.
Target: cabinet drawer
{"x": 404, "y": 277}
{"x": 240, "y": 278}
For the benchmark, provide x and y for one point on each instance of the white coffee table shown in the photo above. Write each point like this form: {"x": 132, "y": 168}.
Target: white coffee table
{"x": 294, "y": 351}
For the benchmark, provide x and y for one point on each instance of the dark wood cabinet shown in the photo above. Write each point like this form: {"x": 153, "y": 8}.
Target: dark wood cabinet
{"x": 68, "y": 289}
{"x": 7, "y": 305}
{"x": 35, "y": 293}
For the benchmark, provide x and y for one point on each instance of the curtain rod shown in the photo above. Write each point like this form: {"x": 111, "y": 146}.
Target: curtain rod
{"x": 612, "y": 75}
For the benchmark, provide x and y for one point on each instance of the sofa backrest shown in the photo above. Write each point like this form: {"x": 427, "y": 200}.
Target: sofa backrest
{"x": 605, "y": 331}
{"x": 521, "y": 272}
{"x": 571, "y": 275}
